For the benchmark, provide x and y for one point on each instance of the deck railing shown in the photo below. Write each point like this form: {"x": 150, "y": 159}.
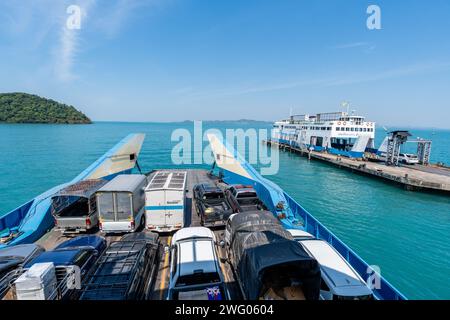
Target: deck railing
{"x": 384, "y": 290}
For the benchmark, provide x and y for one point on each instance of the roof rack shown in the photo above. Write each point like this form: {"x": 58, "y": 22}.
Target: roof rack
{"x": 115, "y": 272}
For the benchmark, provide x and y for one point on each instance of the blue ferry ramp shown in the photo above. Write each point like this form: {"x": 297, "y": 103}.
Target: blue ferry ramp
{"x": 30, "y": 221}
{"x": 234, "y": 169}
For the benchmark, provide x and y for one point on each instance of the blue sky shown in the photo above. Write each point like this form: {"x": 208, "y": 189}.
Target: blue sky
{"x": 171, "y": 60}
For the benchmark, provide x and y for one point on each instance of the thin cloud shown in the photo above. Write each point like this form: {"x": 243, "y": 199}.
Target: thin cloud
{"x": 69, "y": 43}
{"x": 327, "y": 81}
{"x": 114, "y": 15}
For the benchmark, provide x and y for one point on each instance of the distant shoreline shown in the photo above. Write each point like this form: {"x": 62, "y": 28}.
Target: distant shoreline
{"x": 379, "y": 127}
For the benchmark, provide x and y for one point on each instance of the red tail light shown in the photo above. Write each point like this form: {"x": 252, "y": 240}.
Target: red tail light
{"x": 56, "y": 222}
{"x": 132, "y": 224}
{"x": 88, "y": 222}
{"x": 100, "y": 225}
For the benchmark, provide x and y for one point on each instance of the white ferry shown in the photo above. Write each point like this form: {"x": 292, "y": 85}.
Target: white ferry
{"x": 339, "y": 133}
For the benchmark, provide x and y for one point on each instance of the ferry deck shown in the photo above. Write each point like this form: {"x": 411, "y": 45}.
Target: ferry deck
{"x": 191, "y": 219}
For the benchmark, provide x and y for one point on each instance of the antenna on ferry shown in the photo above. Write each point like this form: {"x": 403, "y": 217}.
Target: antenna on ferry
{"x": 346, "y": 104}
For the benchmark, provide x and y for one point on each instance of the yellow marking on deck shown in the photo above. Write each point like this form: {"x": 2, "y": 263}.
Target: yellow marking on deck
{"x": 225, "y": 274}
{"x": 164, "y": 271}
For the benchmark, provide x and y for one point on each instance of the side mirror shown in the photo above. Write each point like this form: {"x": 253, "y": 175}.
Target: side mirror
{"x": 222, "y": 244}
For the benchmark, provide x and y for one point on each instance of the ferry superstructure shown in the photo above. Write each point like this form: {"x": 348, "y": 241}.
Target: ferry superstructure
{"x": 338, "y": 133}
{"x": 232, "y": 169}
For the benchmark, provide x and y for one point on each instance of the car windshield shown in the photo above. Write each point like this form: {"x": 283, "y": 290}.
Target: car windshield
{"x": 247, "y": 194}
{"x": 342, "y": 298}
{"x": 213, "y": 195}
{"x": 198, "y": 278}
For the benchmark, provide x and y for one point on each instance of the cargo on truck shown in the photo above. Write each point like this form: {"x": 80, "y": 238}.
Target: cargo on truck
{"x": 281, "y": 269}
{"x": 125, "y": 271}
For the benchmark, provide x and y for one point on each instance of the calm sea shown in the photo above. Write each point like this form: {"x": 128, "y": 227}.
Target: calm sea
{"x": 407, "y": 234}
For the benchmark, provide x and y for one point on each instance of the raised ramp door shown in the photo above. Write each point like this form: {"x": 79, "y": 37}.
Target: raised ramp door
{"x": 361, "y": 144}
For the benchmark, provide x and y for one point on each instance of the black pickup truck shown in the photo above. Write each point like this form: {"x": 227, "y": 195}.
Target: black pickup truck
{"x": 243, "y": 198}
{"x": 211, "y": 204}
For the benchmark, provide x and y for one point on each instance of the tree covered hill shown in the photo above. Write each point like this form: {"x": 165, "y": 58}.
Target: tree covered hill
{"x": 28, "y": 108}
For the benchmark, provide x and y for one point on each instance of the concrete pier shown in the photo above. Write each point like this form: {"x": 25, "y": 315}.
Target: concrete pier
{"x": 415, "y": 178}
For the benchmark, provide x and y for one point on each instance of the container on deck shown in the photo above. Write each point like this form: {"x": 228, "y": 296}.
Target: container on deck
{"x": 37, "y": 283}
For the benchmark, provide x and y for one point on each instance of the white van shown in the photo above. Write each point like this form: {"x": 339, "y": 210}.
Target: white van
{"x": 165, "y": 201}
{"x": 339, "y": 280}
{"x": 120, "y": 203}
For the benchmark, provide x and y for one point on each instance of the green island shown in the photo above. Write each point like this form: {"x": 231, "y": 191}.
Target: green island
{"x": 28, "y": 108}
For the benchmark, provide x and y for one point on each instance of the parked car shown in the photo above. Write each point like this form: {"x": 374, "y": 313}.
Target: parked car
{"x": 339, "y": 280}
{"x": 211, "y": 205}
{"x": 12, "y": 259}
{"x": 121, "y": 203}
{"x": 243, "y": 198}
{"x": 195, "y": 272}
{"x": 268, "y": 263}
{"x": 165, "y": 201}
{"x": 74, "y": 208}
{"x": 407, "y": 158}
{"x": 125, "y": 271}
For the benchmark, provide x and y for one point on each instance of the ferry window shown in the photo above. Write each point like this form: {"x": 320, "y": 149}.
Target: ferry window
{"x": 329, "y": 128}
{"x": 347, "y": 129}
{"x": 338, "y": 129}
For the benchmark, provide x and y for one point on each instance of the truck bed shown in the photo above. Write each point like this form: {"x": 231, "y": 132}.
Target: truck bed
{"x": 252, "y": 204}
{"x": 79, "y": 208}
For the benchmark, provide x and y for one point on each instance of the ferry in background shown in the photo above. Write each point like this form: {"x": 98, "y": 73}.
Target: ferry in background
{"x": 339, "y": 133}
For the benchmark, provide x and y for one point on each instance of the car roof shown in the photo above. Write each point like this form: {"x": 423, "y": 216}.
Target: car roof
{"x": 59, "y": 258}
{"x": 21, "y": 250}
{"x": 345, "y": 281}
{"x": 124, "y": 183}
{"x": 192, "y": 232}
{"x": 299, "y": 233}
{"x": 93, "y": 241}
{"x": 196, "y": 255}
{"x": 167, "y": 180}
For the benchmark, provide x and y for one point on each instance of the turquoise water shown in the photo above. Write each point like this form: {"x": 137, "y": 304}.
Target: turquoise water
{"x": 407, "y": 234}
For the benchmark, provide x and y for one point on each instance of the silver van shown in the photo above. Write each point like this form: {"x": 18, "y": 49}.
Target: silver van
{"x": 121, "y": 202}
